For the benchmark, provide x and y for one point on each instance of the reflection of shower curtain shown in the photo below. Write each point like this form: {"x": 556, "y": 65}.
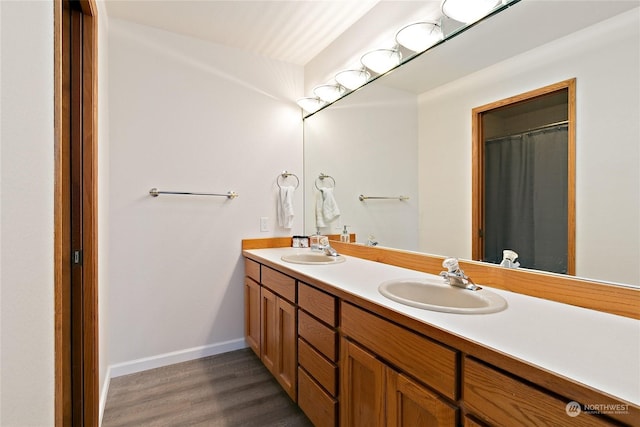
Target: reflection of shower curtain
{"x": 526, "y": 198}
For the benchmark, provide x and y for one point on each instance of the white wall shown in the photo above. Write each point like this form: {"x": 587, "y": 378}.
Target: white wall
{"x": 367, "y": 143}
{"x": 605, "y": 59}
{"x": 103, "y": 203}
{"x": 26, "y": 214}
{"x": 189, "y": 115}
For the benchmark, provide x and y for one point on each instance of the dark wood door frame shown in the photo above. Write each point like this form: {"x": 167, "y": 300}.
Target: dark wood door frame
{"x": 75, "y": 214}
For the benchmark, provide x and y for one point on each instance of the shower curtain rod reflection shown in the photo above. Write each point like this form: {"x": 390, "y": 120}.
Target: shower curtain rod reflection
{"x": 155, "y": 193}
{"x": 543, "y": 127}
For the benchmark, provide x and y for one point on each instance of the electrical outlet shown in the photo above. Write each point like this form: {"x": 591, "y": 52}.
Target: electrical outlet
{"x": 264, "y": 223}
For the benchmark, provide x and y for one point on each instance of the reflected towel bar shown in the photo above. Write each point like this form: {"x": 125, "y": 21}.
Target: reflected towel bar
{"x": 362, "y": 198}
{"x": 155, "y": 193}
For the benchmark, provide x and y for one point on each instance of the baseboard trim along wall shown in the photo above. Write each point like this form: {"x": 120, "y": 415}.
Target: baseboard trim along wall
{"x": 103, "y": 395}
{"x": 160, "y": 360}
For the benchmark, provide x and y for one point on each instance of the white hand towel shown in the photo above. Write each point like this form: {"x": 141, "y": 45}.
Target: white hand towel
{"x": 330, "y": 209}
{"x": 285, "y": 207}
{"x": 319, "y": 216}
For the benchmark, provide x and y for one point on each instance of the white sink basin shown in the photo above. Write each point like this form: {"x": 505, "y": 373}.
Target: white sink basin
{"x": 431, "y": 294}
{"x": 313, "y": 258}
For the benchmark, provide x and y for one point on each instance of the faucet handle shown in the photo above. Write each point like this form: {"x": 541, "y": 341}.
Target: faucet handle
{"x": 451, "y": 264}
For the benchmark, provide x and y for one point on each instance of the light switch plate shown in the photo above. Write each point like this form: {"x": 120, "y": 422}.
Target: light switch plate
{"x": 264, "y": 223}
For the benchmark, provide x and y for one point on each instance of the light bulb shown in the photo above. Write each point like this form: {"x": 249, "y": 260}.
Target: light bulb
{"x": 468, "y": 11}
{"x": 310, "y": 104}
{"x": 420, "y": 36}
{"x": 353, "y": 79}
{"x": 381, "y": 60}
{"x": 329, "y": 93}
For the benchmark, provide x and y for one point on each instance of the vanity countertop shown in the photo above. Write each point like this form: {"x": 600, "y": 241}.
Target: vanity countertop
{"x": 597, "y": 349}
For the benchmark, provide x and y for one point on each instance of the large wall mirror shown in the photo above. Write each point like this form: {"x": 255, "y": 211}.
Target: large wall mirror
{"x": 410, "y": 133}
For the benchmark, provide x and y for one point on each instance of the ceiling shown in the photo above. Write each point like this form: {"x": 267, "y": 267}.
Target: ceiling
{"x": 292, "y": 31}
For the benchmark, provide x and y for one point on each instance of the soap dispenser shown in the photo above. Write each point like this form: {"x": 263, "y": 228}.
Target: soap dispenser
{"x": 344, "y": 237}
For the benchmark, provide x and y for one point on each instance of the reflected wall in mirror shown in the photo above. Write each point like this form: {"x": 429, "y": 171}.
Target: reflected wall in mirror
{"x": 368, "y": 145}
{"x": 596, "y": 42}
{"x": 524, "y": 179}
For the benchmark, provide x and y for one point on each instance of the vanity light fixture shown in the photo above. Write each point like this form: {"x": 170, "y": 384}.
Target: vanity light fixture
{"x": 353, "y": 79}
{"x": 419, "y": 36}
{"x": 329, "y": 93}
{"x": 381, "y": 60}
{"x": 416, "y": 37}
{"x": 311, "y": 104}
{"x": 468, "y": 11}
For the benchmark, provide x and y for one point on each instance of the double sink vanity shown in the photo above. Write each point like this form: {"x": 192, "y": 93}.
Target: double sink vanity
{"x": 357, "y": 342}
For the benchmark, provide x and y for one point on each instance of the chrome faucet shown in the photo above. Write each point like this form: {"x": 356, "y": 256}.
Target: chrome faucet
{"x": 321, "y": 243}
{"x": 454, "y": 276}
{"x": 328, "y": 250}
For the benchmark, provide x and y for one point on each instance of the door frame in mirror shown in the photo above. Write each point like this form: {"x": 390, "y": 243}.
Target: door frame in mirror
{"x": 477, "y": 167}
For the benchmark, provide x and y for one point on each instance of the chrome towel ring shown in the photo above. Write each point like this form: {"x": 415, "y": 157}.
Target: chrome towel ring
{"x": 322, "y": 178}
{"x": 284, "y": 175}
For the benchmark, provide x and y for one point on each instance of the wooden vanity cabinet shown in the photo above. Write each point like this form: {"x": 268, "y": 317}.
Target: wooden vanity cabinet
{"x": 374, "y": 394}
{"x": 270, "y": 322}
{"x": 410, "y": 404}
{"x": 348, "y": 366}
{"x": 499, "y": 399}
{"x": 317, "y": 355}
{"x": 377, "y": 387}
{"x": 362, "y": 382}
{"x": 252, "y": 319}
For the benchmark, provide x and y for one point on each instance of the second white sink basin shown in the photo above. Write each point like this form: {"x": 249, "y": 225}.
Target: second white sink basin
{"x": 315, "y": 258}
{"x": 437, "y": 296}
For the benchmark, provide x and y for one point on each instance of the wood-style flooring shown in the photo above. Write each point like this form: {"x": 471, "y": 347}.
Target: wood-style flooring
{"x": 226, "y": 390}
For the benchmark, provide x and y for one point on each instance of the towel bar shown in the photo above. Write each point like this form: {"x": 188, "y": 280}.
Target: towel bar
{"x": 155, "y": 193}
{"x": 362, "y": 198}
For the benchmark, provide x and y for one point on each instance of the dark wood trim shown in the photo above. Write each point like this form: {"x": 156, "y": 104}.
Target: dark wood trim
{"x": 62, "y": 243}
{"x": 90, "y": 214}
{"x": 65, "y": 106}
{"x": 477, "y": 167}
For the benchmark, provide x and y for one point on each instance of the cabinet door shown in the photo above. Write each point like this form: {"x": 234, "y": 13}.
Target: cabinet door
{"x": 411, "y": 405}
{"x": 286, "y": 360}
{"x": 362, "y": 387}
{"x": 269, "y": 329}
{"x": 252, "y": 314}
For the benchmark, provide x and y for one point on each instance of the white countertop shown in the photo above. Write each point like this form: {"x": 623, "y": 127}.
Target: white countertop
{"x": 597, "y": 349}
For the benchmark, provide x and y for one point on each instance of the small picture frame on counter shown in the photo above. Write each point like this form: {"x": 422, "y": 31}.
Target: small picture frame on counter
{"x": 299, "y": 242}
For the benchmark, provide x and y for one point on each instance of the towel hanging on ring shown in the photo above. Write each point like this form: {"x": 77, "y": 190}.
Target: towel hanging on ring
{"x": 284, "y": 206}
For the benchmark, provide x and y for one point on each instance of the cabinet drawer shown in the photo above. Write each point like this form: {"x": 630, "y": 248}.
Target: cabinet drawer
{"x": 279, "y": 283}
{"x": 252, "y": 269}
{"x": 318, "y": 303}
{"x": 314, "y": 402}
{"x": 321, "y": 369}
{"x": 424, "y": 359}
{"x": 318, "y": 335}
{"x": 500, "y": 399}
